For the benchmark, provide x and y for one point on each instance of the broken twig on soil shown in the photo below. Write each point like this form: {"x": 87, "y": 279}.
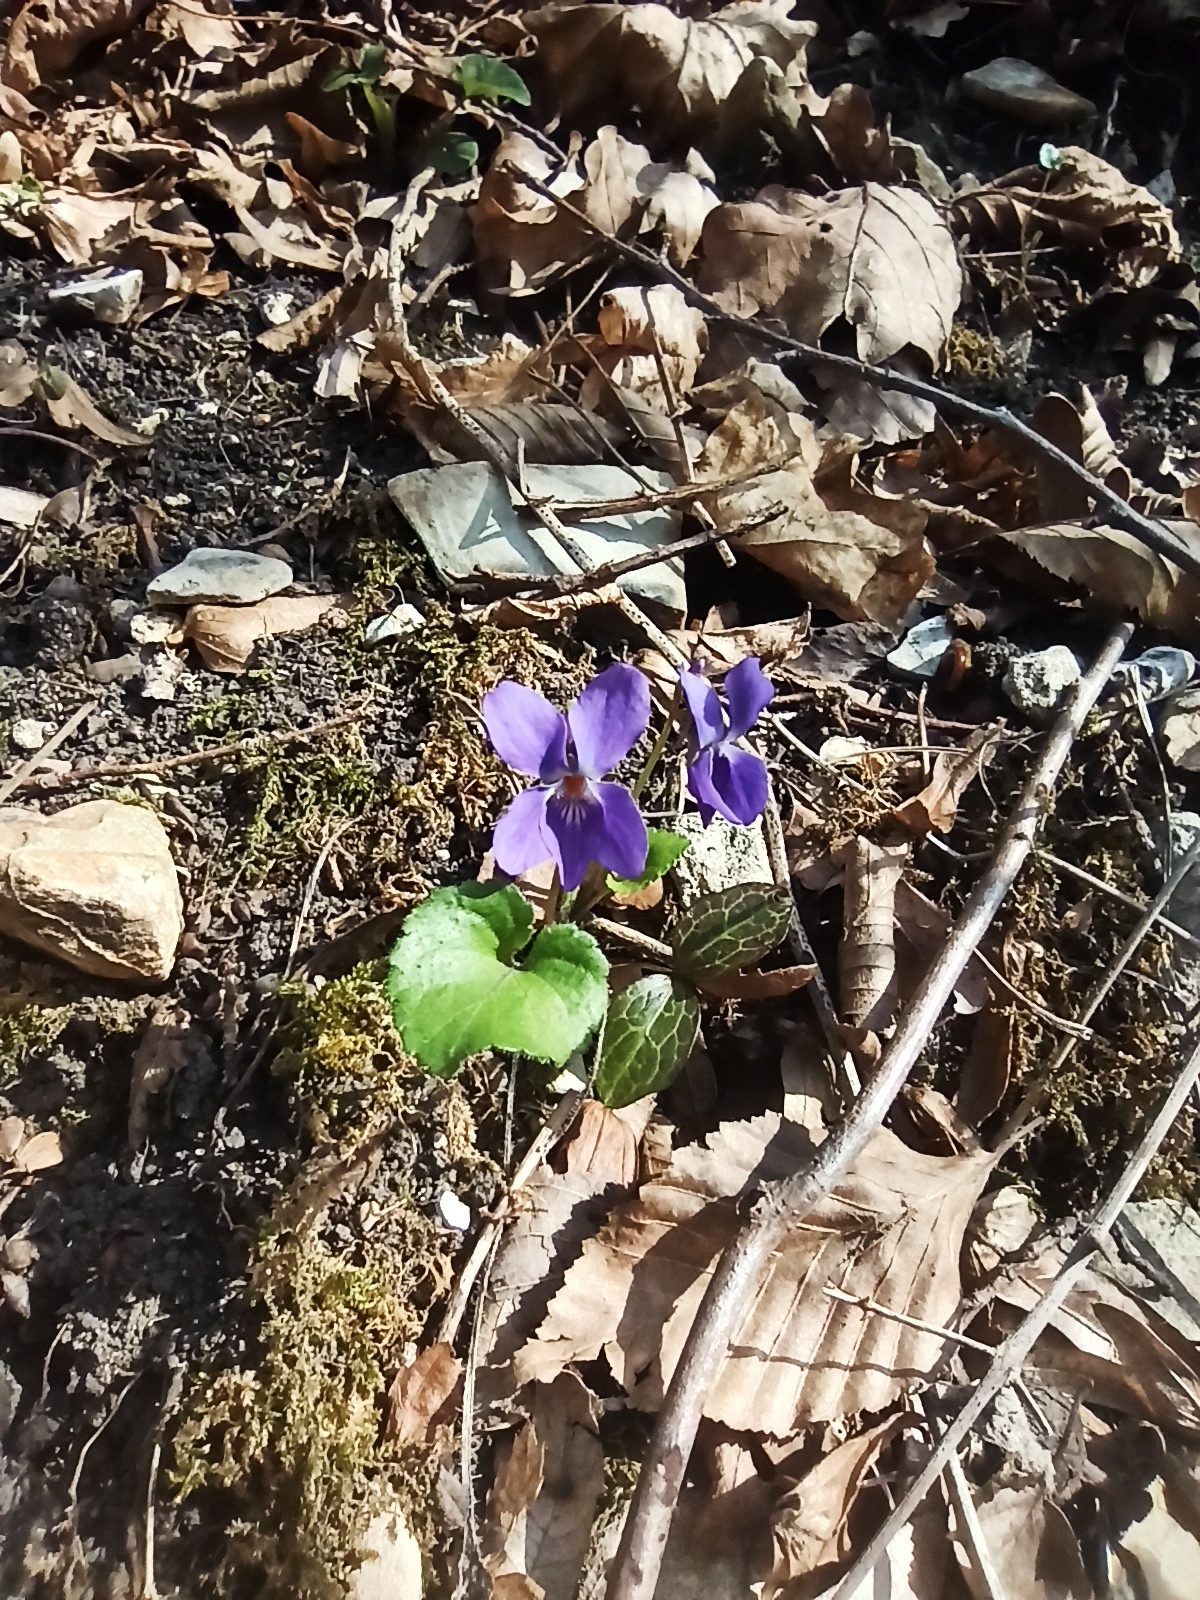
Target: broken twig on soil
{"x": 783, "y": 1205}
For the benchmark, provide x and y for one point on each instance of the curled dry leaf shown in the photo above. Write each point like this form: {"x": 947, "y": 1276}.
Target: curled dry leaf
{"x": 891, "y": 1230}
{"x": 935, "y": 809}
{"x": 880, "y": 258}
{"x": 27, "y": 1153}
{"x": 420, "y": 1394}
{"x": 48, "y": 36}
{"x": 543, "y": 1498}
{"x": 860, "y": 555}
{"x": 867, "y": 952}
{"x": 639, "y": 328}
{"x": 677, "y": 73}
{"x": 73, "y": 408}
{"x": 1082, "y": 433}
{"x": 603, "y": 1145}
{"x": 227, "y": 636}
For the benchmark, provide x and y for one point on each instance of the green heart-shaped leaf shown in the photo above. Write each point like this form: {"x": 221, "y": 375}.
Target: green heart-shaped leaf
{"x": 663, "y": 852}
{"x": 485, "y": 78}
{"x": 648, "y": 1036}
{"x": 454, "y": 993}
{"x": 729, "y": 930}
{"x": 452, "y": 153}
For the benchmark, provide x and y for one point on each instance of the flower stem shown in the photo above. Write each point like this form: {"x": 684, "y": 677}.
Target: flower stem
{"x": 660, "y": 744}
{"x": 553, "y": 900}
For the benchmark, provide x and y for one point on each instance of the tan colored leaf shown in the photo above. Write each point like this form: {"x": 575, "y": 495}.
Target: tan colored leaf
{"x": 757, "y": 985}
{"x": 73, "y": 408}
{"x": 891, "y": 1230}
{"x": 867, "y": 952}
{"x": 862, "y": 557}
{"x": 1000, "y": 1224}
{"x": 48, "y": 36}
{"x": 419, "y": 1392}
{"x": 1117, "y": 571}
{"x": 935, "y": 809}
{"x": 36, "y": 1154}
{"x": 227, "y": 636}
{"x": 545, "y": 1491}
{"x": 675, "y": 72}
{"x": 677, "y": 204}
{"x": 160, "y": 1053}
{"x": 12, "y": 1136}
{"x": 18, "y": 374}
{"x": 883, "y": 259}
{"x": 21, "y": 507}
{"x": 298, "y": 332}
{"x": 1032, "y": 1547}
{"x": 1082, "y": 433}
{"x": 809, "y": 1526}
{"x": 603, "y": 1145}
{"x": 775, "y": 644}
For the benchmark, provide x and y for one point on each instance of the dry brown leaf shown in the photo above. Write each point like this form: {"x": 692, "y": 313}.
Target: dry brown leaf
{"x": 1084, "y": 203}
{"x": 984, "y": 1079}
{"x": 1000, "y": 1225}
{"x": 809, "y": 1525}
{"x": 73, "y": 408}
{"x": 1033, "y": 1549}
{"x": 861, "y": 556}
{"x": 1082, "y": 433}
{"x": 545, "y": 1491}
{"x": 867, "y": 952}
{"x": 881, "y": 258}
{"x": 48, "y": 36}
{"x": 677, "y": 73}
{"x": 33, "y": 1154}
{"x": 603, "y": 1145}
{"x": 227, "y": 636}
{"x": 776, "y": 644}
{"x": 757, "y": 985}
{"x": 677, "y": 204}
{"x": 160, "y": 1053}
{"x": 891, "y": 1230}
{"x": 1117, "y": 571}
{"x": 935, "y": 809}
{"x": 419, "y": 1394}
{"x": 923, "y": 927}
{"x": 634, "y": 323}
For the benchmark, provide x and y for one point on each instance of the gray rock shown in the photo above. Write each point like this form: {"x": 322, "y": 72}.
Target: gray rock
{"x": 1036, "y": 683}
{"x": 94, "y": 886}
{"x": 219, "y": 577}
{"x": 60, "y": 623}
{"x": 718, "y": 856}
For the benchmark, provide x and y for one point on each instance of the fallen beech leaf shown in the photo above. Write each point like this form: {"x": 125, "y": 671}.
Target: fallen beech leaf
{"x": 1033, "y": 1547}
{"x": 757, "y": 985}
{"x": 675, "y": 72}
{"x": 603, "y": 1145}
{"x": 864, "y": 558}
{"x": 419, "y": 1393}
{"x": 545, "y": 1491}
{"x": 935, "y": 809}
{"x": 810, "y": 1523}
{"x": 227, "y": 636}
{"x": 891, "y": 1230}
{"x": 867, "y": 952}
{"x": 676, "y": 205}
{"x": 881, "y": 258}
{"x": 48, "y": 36}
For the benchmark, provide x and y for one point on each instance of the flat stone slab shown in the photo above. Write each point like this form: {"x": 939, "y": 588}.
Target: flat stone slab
{"x": 219, "y": 577}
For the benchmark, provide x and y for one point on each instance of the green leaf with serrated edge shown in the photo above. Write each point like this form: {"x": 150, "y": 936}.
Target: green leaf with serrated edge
{"x": 664, "y": 851}
{"x": 648, "y": 1036}
{"x": 485, "y": 78}
{"x": 453, "y": 996}
{"x": 729, "y": 930}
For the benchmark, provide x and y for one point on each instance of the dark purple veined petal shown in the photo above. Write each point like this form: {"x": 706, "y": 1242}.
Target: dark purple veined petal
{"x": 731, "y": 782}
{"x": 577, "y": 825}
{"x": 704, "y": 705}
{"x": 608, "y": 719}
{"x": 527, "y": 733}
{"x": 522, "y": 839}
{"x": 748, "y": 692}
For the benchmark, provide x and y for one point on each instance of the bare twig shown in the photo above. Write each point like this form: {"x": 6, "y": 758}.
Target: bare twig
{"x": 1017, "y": 1347}
{"x": 28, "y": 768}
{"x": 1114, "y": 893}
{"x": 971, "y": 1530}
{"x": 1146, "y": 531}
{"x": 634, "y": 937}
{"x": 865, "y": 1303}
{"x": 783, "y": 1205}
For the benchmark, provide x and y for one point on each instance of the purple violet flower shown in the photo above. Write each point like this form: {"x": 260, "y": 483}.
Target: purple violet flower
{"x": 722, "y": 779}
{"x": 570, "y": 817}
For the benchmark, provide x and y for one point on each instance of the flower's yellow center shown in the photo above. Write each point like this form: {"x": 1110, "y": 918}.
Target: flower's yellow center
{"x": 574, "y": 786}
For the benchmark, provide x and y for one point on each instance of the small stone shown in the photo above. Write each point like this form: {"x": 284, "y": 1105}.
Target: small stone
{"x": 94, "y": 886}
{"x": 161, "y": 672}
{"x": 1180, "y": 730}
{"x": 1021, "y": 90}
{"x": 60, "y": 623}
{"x": 28, "y": 734}
{"x": 1036, "y": 683}
{"x": 1158, "y": 672}
{"x": 277, "y": 307}
{"x": 453, "y": 1212}
{"x": 918, "y": 653}
{"x": 397, "y": 624}
{"x": 219, "y": 577}
{"x": 109, "y": 296}
{"x": 718, "y": 856}
{"x": 154, "y": 627}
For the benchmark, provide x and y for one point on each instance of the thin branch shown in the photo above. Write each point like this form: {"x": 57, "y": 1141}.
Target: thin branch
{"x": 783, "y": 1205}
{"x": 27, "y": 768}
{"x": 1114, "y": 893}
{"x": 1019, "y": 1344}
{"x": 1146, "y": 531}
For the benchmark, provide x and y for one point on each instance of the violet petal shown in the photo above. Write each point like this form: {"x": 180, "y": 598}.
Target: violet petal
{"x": 522, "y": 839}
{"x": 700, "y": 785}
{"x": 577, "y": 826}
{"x": 626, "y": 844}
{"x": 748, "y": 692}
{"x": 609, "y": 718}
{"x": 704, "y": 706}
{"x": 739, "y": 780}
{"x": 527, "y": 733}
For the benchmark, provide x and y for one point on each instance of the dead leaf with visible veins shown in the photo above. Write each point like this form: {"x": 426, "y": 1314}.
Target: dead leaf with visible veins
{"x": 419, "y": 1395}
{"x": 892, "y": 1230}
{"x": 26, "y": 1152}
{"x": 867, "y": 952}
{"x": 227, "y": 636}
{"x": 638, "y": 328}
{"x": 862, "y": 556}
{"x": 676, "y": 72}
{"x": 1033, "y": 1548}
{"x": 880, "y": 258}
{"x": 603, "y": 1144}
{"x": 1081, "y": 432}
{"x": 677, "y": 203}
{"x": 547, "y": 1485}
{"x": 935, "y": 809}
{"x": 48, "y": 36}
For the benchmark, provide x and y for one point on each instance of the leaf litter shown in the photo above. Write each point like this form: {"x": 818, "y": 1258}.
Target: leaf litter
{"x": 526, "y": 248}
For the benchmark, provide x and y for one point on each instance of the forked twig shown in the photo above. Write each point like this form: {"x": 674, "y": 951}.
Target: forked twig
{"x": 783, "y": 1205}
{"x": 1019, "y": 1344}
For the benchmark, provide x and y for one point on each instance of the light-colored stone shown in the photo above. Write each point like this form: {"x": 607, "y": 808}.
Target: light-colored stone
{"x": 161, "y": 672}
{"x": 109, "y": 296}
{"x": 1036, "y": 683}
{"x": 219, "y": 577}
{"x": 1180, "y": 730}
{"x": 94, "y": 886}
{"x": 29, "y": 734}
{"x": 718, "y": 856}
{"x": 392, "y": 1568}
{"x": 1019, "y": 89}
